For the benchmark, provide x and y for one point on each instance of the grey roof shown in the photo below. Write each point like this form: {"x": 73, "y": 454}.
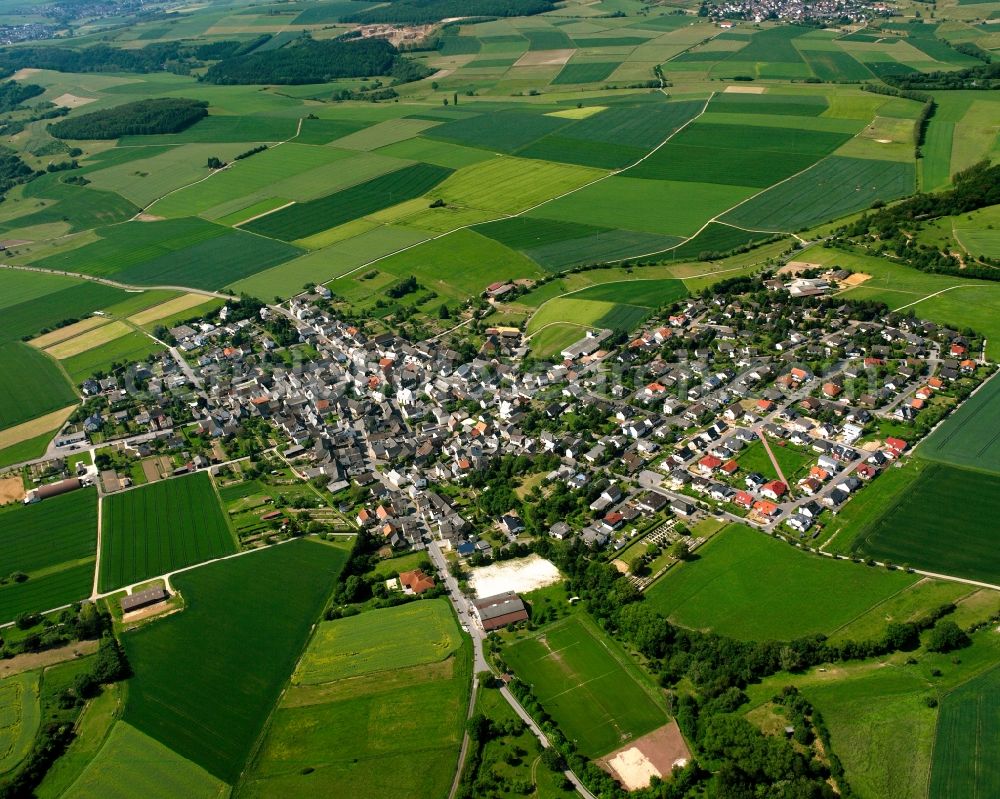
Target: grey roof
{"x": 499, "y": 605}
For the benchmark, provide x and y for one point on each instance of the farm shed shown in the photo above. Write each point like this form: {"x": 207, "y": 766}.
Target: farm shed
{"x": 53, "y": 490}
{"x": 500, "y": 610}
{"x": 143, "y": 599}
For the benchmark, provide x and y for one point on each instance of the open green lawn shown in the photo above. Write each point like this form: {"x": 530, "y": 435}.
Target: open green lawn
{"x": 131, "y": 763}
{"x": 589, "y": 313}
{"x": 158, "y": 528}
{"x": 381, "y": 640}
{"x": 39, "y": 388}
{"x": 794, "y": 462}
{"x": 195, "y": 690}
{"x": 967, "y": 737}
{"x": 748, "y": 585}
{"x": 388, "y": 725}
{"x": 943, "y": 523}
{"x": 592, "y": 689}
{"x": 53, "y": 542}
{"x": 969, "y": 437}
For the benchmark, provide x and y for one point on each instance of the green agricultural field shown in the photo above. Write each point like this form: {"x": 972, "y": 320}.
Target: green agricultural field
{"x": 748, "y": 585}
{"x": 131, "y": 348}
{"x": 191, "y": 666}
{"x": 20, "y": 716}
{"x": 304, "y": 219}
{"x": 641, "y": 291}
{"x": 715, "y": 239}
{"x": 587, "y": 684}
{"x": 46, "y": 201}
{"x": 457, "y": 266}
{"x": 161, "y": 527}
{"x": 943, "y": 523}
{"x": 187, "y": 251}
{"x": 217, "y": 129}
{"x": 40, "y": 387}
{"x": 39, "y": 538}
{"x": 387, "y": 727}
{"x": 510, "y": 185}
{"x": 706, "y": 152}
{"x": 18, "y": 287}
{"x": 587, "y": 314}
{"x": 677, "y": 208}
{"x": 143, "y": 182}
{"x": 586, "y": 72}
{"x": 269, "y": 172}
{"x": 834, "y": 187}
{"x": 908, "y": 605}
{"x": 395, "y": 638}
{"x": 130, "y": 757}
{"x": 558, "y": 245}
{"x": 968, "y": 734}
{"x": 63, "y": 585}
{"x": 504, "y": 131}
{"x": 28, "y": 318}
{"x": 969, "y": 437}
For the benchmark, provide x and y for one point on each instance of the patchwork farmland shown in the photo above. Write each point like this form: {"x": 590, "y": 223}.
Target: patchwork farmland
{"x": 333, "y": 252}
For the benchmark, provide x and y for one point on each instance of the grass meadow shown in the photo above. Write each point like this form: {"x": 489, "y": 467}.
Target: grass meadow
{"x": 389, "y": 724}
{"x": 748, "y": 585}
{"x": 20, "y": 717}
{"x": 131, "y": 758}
{"x": 394, "y": 638}
{"x": 943, "y": 523}
{"x": 158, "y": 528}
{"x": 193, "y": 666}
{"x": 596, "y": 695}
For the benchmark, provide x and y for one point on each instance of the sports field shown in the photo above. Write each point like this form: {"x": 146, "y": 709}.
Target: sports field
{"x": 158, "y": 528}
{"x": 967, "y": 739}
{"x": 54, "y": 543}
{"x": 970, "y": 436}
{"x": 192, "y": 666}
{"x": 748, "y": 585}
{"x": 422, "y": 632}
{"x": 389, "y": 726}
{"x": 943, "y": 523}
{"x": 588, "y": 685}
